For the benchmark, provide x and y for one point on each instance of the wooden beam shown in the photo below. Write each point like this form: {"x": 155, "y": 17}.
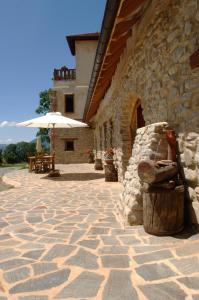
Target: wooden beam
{"x": 194, "y": 60}
{"x": 125, "y": 26}
{"x": 68, "y": 138}
{"x": 116, "y": 39}
{"x": 112, "y": 60}
{"x": 130, "y": 6}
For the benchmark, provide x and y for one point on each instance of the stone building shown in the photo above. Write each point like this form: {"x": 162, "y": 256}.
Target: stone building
{"x": 145, "y": 79}
{"x": 68, "y": 96}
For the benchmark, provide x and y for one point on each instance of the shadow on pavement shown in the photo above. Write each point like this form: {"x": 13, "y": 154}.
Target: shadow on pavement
{"x": 76, "y": 177}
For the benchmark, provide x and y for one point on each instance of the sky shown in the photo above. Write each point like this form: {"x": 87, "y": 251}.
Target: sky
{"x": 32, "y": 44}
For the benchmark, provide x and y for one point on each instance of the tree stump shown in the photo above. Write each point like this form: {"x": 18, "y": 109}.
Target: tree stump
{"x": 110, "y": 173}
{"x": 98, "y": 164}
{"x": 163, "y": 210}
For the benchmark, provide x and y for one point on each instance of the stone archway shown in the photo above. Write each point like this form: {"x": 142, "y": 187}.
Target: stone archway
{"x": 131, "y": 120}
{"x": 137, "y": 120}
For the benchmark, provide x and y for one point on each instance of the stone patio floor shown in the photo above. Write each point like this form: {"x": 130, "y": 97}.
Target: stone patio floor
{"x": 61, "y": 239}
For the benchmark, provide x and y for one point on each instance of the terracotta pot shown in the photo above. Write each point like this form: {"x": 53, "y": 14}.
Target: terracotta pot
{"x": 109, "y": 161}
{"x": 91, "y": 159}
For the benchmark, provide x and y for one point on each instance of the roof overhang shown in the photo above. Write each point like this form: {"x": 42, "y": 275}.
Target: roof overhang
{"x": 71, "y": 39}
{"x": 119, "y": 18}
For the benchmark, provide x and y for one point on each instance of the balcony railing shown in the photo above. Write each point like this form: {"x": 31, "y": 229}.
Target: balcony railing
{"x": 64, "y": 74}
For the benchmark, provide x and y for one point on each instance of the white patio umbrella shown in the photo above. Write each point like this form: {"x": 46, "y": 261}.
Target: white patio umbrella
{"x": 38, "y": 144}
{"x": 52, "y": 120}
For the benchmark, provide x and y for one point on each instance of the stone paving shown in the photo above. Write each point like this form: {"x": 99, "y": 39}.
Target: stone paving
{"x": 61, "y": 239}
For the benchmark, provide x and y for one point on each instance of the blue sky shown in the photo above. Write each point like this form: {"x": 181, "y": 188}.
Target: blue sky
{"x": 33, "y": 44}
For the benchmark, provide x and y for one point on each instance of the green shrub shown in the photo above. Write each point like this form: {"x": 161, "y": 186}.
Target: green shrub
{"x": 1, "y": 156}
{"x": 16, "y": 153}
{"x": 10, "y": 155}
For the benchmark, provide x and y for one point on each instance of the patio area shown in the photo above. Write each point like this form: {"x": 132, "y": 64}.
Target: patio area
{"x": 61, "y": 239}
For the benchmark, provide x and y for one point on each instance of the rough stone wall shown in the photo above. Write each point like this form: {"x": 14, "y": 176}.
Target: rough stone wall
{"x": 83, "y": 140}
{"x": 155, "y": 68}
{"x": 150, "y": 143}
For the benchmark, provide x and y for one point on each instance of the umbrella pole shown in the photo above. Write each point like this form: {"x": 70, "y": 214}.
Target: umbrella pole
{"x": 53, "y": 147}
{"x": 53, "y": 173}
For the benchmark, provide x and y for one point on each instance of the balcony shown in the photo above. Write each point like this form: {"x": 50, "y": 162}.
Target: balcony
{"x": 64, "y": 74}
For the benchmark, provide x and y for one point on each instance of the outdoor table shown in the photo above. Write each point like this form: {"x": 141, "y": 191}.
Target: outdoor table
{"x": 44, "y": 159}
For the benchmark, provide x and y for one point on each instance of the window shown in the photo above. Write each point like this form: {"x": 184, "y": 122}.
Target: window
{"x": 69, "y": 146}
{"x": 69, "y": 103}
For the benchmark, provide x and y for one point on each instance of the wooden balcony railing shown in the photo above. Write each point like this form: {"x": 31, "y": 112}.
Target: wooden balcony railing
{"x": 64, "y": 74}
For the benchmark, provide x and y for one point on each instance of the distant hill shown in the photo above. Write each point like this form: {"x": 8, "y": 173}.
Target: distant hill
{"x": 3, "y": 146}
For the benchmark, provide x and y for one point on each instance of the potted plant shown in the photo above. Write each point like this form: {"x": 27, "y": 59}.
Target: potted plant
{"x": 90, "y": 155}
{"x": 108, "y": 156}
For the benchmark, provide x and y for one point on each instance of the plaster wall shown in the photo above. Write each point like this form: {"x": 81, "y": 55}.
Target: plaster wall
{"x": 82, "y": 137}
{"x": 85, "y": 55}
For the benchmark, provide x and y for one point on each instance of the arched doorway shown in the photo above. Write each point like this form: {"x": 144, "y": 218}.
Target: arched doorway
{"x": 137, "y": 121}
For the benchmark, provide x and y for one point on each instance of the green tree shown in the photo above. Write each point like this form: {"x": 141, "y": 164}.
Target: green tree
{"x": 43, "y": 108}
{"x": 44, "y": 103}
{"x": 10, "y": 155}
{"x": 24, "y": 149}
{"x": 32, "y": 149}
{"x": 1, "y": 156}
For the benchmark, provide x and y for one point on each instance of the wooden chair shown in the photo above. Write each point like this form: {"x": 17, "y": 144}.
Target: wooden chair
{"x": 46, "y": 163}
{"x": 38, "y": 164}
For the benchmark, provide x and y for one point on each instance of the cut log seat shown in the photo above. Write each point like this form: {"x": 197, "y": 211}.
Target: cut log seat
{"x": 150, "y": 171}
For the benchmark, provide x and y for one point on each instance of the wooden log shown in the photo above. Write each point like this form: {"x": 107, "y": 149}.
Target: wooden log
{"x": 163, "y": 211}
{"x": 149, "y": 171}
{"x": 159, "y": 185}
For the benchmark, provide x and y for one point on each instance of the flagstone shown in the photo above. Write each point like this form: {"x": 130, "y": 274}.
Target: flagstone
{"x": 113, "y": 250}
{"x": 14, "y": 263}
{"x": 8, "y": 253}
{"x": 34, "y": 254}
{"x": 92, "y": 243}
{"x": 99, "y": 245}
{"x": 17, "y": 274}
{"x": 115, "y": 261}
{"x": 187, "y": 265}
{"x": 77, "y": 234}
{"x": 110, "y": 240}
{"x": 154, "y": 256}
{"x": 59, "y": 250}
{"x": 36, "y": 297}
{"x": 40, "y": 268}
{"x": 41, "y": 283}
{"x": 119, "y": 286}
{"x": 190, "y": 282}
{"x": 83, "y": 259}
{"x": 155, "y": 271}
{"x": 163, "y": 291}
{"x": 186, "y": 250}
{"x": 85, "y": 285}
{"x": 98, "y": 230}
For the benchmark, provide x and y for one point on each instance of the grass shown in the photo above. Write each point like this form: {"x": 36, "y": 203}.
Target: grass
{"x": 20, "y": 166}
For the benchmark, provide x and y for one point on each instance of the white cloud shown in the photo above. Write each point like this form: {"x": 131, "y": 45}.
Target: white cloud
{"x": 7, "y": 141}
{"x": 7, "y": 123}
